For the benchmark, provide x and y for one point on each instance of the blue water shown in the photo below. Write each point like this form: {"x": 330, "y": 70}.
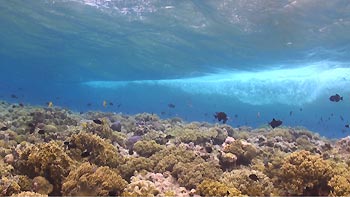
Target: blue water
{"x": 280, "y": 59}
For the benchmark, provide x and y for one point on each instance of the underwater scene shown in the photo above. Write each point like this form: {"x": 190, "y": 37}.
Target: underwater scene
{"x": 175, "y": 98}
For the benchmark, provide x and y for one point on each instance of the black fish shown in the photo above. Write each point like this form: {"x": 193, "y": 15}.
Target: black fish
{"x": 4, "y": 128}
{"x": 290, "y": 113}
{"x": 97, "y": 121}
{"x": 254, "y": 177}
{"x": 131, "y": 151}
{"x": 163, "y": 113}
{"x": 341, "y": 118}
{"x": 221, "y": 116}
{"x": 41, "y": 131}
{"x": 169, "y": 137}
{"x": 85, "y": 153}
{"x": 170, "y": 105}
{"x": 275, "y": 123}
{"x": 21, "y": 104}
{"x": 89, "y": 104}
{"x": 236, "y": 115}
{"x": 336, "y": 98}
{"x": 209, "y": 149}
{"x": 14, "y": 96}
{"x": 66, "y": 143}
{"x": 347, "y": 126}
{"x": 110, "y": 103}
{"x": 301, "y": 109}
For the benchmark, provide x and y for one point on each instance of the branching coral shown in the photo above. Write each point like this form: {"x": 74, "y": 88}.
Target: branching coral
{"x": 216, "y": 188}
{"x": 191, "y": 174}
{"x": 48, "y": 160}
{"x": 29, "y": 194}
{"x": 147, "y": 148}
{"x": 305, "y": 174}
{"x": 91, "y": 180}
{"x": 249, "y": 182}
{"x": 101, "y": 152}
{"x": 133, "y": 165}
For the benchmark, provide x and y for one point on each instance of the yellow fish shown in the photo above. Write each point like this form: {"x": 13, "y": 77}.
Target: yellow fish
{"x": 50, "y": 104}
{"x": 104, "y": 103}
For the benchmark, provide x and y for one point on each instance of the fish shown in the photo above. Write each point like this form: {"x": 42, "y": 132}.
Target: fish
{"x": 301, "y": 109}
{"x": 290, "y": 113}
{"x": 3, "y": 128}
{"x": 131, "y": 151}
{"x": 341, "y": 118}
{"x": 49, "y": 104}
{"x": 14, "y": 96}
{"x": 336, "y": 98}
{"x": 85, "y": 153}
{"x": 111, "y": 104}
{"x": 66, "y": 143}
{"x": 21, "y": 104}
{"x": 254, "y": 177}
{"x": 41, "y": 131}
{"x": 97, "y": 121}
{"x": 89, "y": 104}
{"x": 236, "y": 115}
{"x": 258, "y": 115}
{"x": 170, "y": 105}
{"x": 163, "y": 113}
{"x": 104, "y": 103}
{"x": 275, "y": 123}
{"x": 347, "y": 126}
{"x": 221, "y": 116}
{"x": 209, "y": 149}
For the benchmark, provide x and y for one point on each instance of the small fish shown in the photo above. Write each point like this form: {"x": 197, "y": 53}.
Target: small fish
{"x": 258, "y": 115}
{"x": 66, "y": 143}
{"x": 119, "y": 105}
{"x": 111, "y": 104}
{"x": 21, "y": 104}
{"x": 163, "y": 113}
{"x": 14, "y": 96}
{"x": 3, "y": 128}
{"x": 169, "y": 137}
{"x": 85, "y": 153}
{"x": 221, "y": 116}
{"x": 290, "y": 113}
{"x": 89, "y": 104}
{"x": 301, "y": 109}
{"x": 49, "y": 104}
{"x": 275, "y": 123}
{"x": 81, "y": 112}
{"x": 41, "y": 131}
{"x": 170, "y": 105}
{"x": 209, "y": 149}
{"x": 336, "y": 98}
{"x": 254, "y": 177}
{"x": 131, "y": 151}
{"x": 236, "y": 115}
{"x": 97, "y": 121}
{"x": 347, "y": 126}
{"x": 14, "y": 106}
{"x": 341, "y": 118}
{"x": 104, "y": 103}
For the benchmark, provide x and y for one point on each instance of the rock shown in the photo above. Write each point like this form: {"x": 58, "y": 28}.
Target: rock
{"x": 116, "y": 126}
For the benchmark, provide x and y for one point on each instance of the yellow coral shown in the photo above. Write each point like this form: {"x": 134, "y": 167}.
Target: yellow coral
{"x": 29, "y": 194}
{"x": 305, "y": 174}
{"x": 91, "y": 180}
{"x": 216, "y": 188}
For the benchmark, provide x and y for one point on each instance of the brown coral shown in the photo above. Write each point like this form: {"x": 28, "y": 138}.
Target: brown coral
{"x": 216, "y": 188}
{"x": 91, "y": 180}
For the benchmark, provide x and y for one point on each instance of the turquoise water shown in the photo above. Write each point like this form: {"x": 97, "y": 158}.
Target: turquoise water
{"x": 279, "y": 59}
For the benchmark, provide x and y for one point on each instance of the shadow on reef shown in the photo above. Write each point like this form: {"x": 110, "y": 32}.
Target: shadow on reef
{"x": 53, "y": 151}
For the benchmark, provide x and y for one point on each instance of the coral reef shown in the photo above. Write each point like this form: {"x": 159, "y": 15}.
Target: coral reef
{"x": 147, "y": 148}
{"x": 243, "y": 150}
{"x": 216, "y": 188}
{"x": 29, "y": 194}
{"x": 91, "y": 180}
{"x": 133, "y": 165}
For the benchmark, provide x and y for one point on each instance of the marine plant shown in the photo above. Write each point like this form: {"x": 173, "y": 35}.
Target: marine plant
{"x": 88, "y": 179}
{"x": 147, "y": 148}
{"x": 216, "y": 188}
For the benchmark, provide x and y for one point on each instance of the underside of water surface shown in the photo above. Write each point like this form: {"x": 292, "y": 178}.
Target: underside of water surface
{"x": 239, "y": 94}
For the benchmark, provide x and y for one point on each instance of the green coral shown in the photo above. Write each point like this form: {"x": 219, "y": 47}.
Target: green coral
{"x": 191, "y": 174}
{"x": 48, "y": 160}
{"x": 249, "y": 182}
{"x": 133, "y": 165}
{"x": 101, "y": 152}
{"x": 216, "y": 188}
{"x": 244, "y": 151}
{"x": 91, "y": 180}
{"x": 147, "y": 148}
{"x": 168, "y": 157}
{"x": 305, "y": 174}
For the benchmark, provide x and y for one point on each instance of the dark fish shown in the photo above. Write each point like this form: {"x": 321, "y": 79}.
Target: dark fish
{"x": 236, "y": 115}
{"x": 170, "y": 105}
{"x": 66, "y": 143}
{"x": 336, "y": 98}
{"x": 301, "y": 109}
{"x": 341, "y": 118}
{"x": 290, "y": 113}
{"x": 14, "y": 96}
{"x": 209, "y": 149}
{"x": 169, "y": 137}
{"x": 89, "y": 104}
{"x": 110, "y": 103}
{"x": 14, "y": 106}
{"x": 81, "y": 112}
{"x": 254, "y": 177}
{"x": 163, "y": 113}
{"x": 275, "y": 123}
{"x": 131, "y": 151}
{"x": 221, "y": 116}
{"x": 4, "y": 128}
{"x": 72, "y": 145}
{"x": 347, "y": 126}
{"x": 85, "y": 153}
{"x": 41, "y": 131}
{"x": 119, "y": 105}
{"x": 112, "y": 193}
{"x": 21, "y": 104}
{"x": 97, "y": 121}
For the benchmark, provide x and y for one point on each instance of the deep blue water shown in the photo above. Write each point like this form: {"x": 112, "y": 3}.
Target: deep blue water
{"x": 281, "y": 59}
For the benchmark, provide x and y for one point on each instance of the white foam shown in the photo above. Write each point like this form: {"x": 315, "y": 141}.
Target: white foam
{"x": 294, "y": 86}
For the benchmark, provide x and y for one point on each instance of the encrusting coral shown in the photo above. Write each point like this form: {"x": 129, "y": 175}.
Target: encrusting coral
{"x": 91, "y": 180}
{"x": 305, "y": 174}
{"x": 216, "y": 188}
